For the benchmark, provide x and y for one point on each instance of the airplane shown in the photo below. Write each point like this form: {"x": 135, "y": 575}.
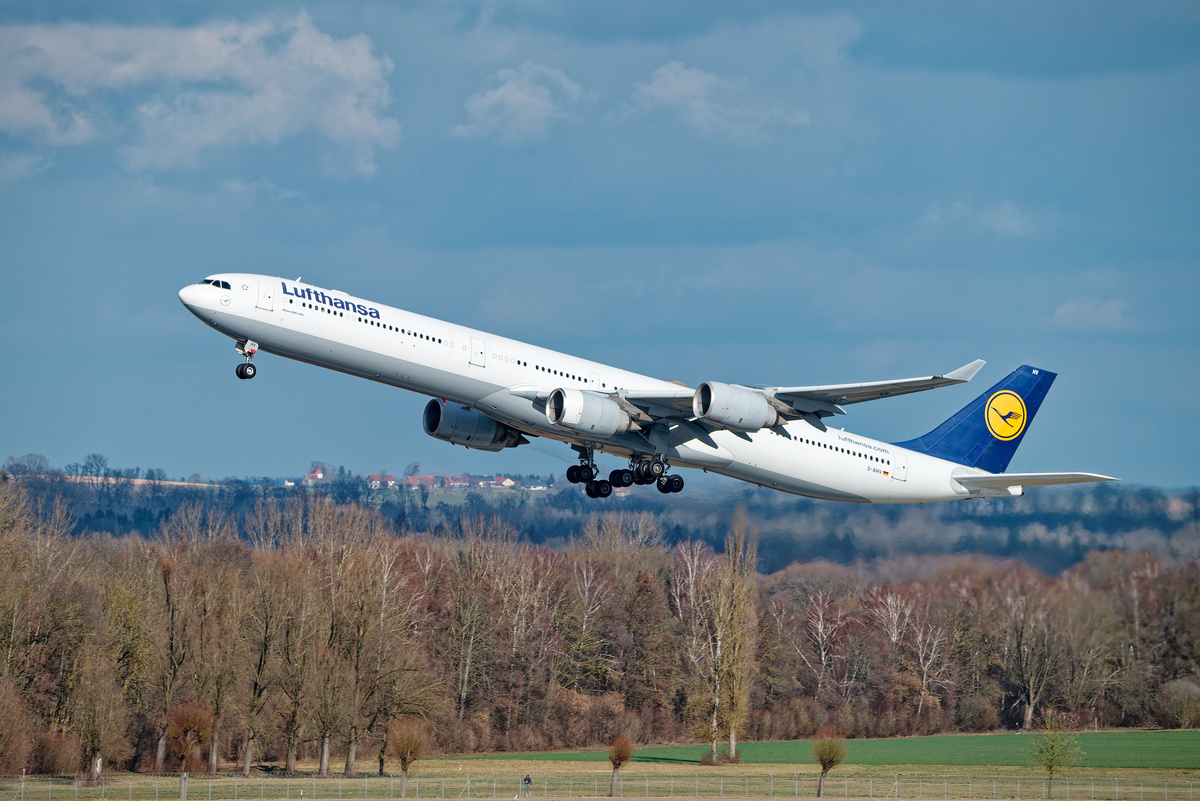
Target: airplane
{"x": 490, "y": 393}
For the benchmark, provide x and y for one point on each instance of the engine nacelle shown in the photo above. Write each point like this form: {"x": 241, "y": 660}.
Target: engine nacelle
{"x": 733, "y": 407}
{"x": 463, "y": 425}
{"x": 587, "y": 413}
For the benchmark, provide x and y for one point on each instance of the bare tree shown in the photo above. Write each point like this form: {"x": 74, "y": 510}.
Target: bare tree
{"x": 620, "y": 751}
{"x": 299, "y": 639}
{"x": 189, "y": 730}
{"x": 97, "y": 715}
{"x": 407, "y": 742}
{"x": 716, "y": 601}
{"x": 261, "y": 622}
{"x": 1055, "y": 747}
{"x": 1030, "y": 658}
{"x": 829, "y": 750}
{"x": 739, "y": 607}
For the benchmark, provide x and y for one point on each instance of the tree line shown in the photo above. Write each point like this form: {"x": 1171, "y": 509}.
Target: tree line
{"x": 1051, "y": 529}
{"x": 306, "y": 630}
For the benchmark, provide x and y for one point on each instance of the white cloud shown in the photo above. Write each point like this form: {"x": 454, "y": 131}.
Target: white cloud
{"x": 1003, "y": 219}
{"x": 522, "y": 107}
{"x": 713, "y": 105}
{"x": 264, "y": 186}
{"x": 18, "y": 167}
{"x": 1091, "y": 315}
{"x": 175, "y": 93}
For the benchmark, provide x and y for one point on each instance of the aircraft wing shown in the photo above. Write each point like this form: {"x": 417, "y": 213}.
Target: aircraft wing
{"x": 826, "y": 400}
{"x": 1006, "y": 480}
{"x": 812, "y": 403}
{"x": 655, "y": 404}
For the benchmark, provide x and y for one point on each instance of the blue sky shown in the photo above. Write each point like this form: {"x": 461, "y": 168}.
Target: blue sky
{"x": 699, "y": 191}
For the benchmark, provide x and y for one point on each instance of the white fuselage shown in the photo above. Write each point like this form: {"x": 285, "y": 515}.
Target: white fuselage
{"x": 501, "y": 378}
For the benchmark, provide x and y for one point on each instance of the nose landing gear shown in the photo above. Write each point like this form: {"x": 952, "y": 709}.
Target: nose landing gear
{"x": 247, "y": 348}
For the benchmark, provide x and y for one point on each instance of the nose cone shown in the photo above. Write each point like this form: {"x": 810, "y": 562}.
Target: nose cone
{"x": 193, "y": 297}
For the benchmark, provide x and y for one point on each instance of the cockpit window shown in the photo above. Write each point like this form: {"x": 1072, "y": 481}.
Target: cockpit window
{"x": 216, "y": 283}
{"x": 224, "y": 284}
{"x": 207, "y": 281}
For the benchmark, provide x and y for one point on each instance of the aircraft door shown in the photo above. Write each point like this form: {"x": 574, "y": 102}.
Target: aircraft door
{"x": 478, "y": 352}
{"x": 266, "y": 296}
{"x": 900, "y": 465}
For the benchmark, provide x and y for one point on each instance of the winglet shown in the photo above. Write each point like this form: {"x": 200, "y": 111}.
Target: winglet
{"x": 966, "y": 372}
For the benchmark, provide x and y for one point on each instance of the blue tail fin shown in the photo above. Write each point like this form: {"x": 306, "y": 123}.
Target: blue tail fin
{"x": 986, "y": 433}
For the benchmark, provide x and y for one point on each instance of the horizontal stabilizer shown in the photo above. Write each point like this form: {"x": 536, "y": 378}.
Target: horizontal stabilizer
{"x": 1006, "y": 480}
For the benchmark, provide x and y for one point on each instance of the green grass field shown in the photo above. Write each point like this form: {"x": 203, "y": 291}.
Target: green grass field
{"x": 1166, "y": 750}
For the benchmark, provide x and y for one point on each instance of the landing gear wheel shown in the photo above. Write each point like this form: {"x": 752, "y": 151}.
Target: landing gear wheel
{"x": 656, "y": 468}
{"x": 573, "y": 474}
{"x": 676, "y": 483}
{"x": 249, "y": 370}
{"x": 240, "y": 371}
{"x": 590, "y": 489}
{"x": 603, "y": 489}
{"x": 586, "y": 473}
{"x": 621, "y": 478}
{"x": 664, "y": 484}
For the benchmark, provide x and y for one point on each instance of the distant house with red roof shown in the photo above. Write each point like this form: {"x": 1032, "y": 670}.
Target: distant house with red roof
{"x": 430, "y": 482}
{"x": 382, "y": 481}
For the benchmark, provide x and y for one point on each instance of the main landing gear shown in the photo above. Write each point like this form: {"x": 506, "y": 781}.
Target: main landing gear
{"x": 585, "y": 473}
{"x": 247, "y": 348}
{"x": 640, "y": 471}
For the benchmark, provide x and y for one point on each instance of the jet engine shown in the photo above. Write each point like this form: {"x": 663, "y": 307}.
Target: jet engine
{"x": 462, "y": 425}
{"x": 733, "y": 407}
{"x": 587, "y": 413}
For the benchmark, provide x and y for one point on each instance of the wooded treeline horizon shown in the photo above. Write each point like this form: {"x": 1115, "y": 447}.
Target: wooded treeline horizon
{"x": 1049, "y": 528}
{"x": 300, "y": 628}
